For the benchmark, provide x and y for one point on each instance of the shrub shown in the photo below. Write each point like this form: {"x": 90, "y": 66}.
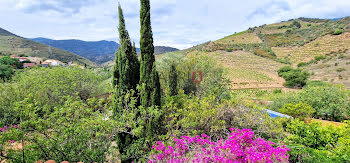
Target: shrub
{"x": 296, "y": 24}
{"x": 277, "y": 91}
{"x": 329, "y": 101}
{"x": 338, "y": 32}
{"x": 5, "y": 72}
{"x": 341, "y": 69}
{"x": 229, "y": 49}
{"x": 299, "y": 110}
{"x": 283, "y": 70}
{"x": 48, "y": 87}
{"x": 319, "y": 57}
{"x": 193, "y": 116}
{"x": 302, "y": 64}
{"x": 239, "y": 146}
{"x": 315, "y": 142}
{"x": 295, "y": 78}
{"x": 70, "y": 133}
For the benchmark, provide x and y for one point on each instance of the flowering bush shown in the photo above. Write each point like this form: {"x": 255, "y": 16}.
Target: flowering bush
{"x": 238, "y": 147}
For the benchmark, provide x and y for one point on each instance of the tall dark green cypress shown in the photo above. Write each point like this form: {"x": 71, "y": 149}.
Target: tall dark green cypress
{"x": 129, "y": 65}
{"x": 150, "y": 94}
{"x": 172, "y": 81}
{"x": 126, "y": 76}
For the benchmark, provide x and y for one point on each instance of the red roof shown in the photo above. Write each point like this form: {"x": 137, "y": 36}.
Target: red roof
{"x": 27, "y": 65}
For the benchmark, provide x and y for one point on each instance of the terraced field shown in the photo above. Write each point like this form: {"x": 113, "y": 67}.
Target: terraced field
{"x": 273, "y": 28}
{"x": 241, "y": 38}
{"x": 321, "y": 46}
{"x": 336, "y": 69}
{"x": 246, "y": 70}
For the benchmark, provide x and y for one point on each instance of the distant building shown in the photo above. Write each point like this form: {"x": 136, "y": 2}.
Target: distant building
{"x": 53, "y": 62}
{"x": 28, "y": 65}
{"x": 21, "y": 59}
{"x": 36, "y": 60}
{"x": 45, "y": 64}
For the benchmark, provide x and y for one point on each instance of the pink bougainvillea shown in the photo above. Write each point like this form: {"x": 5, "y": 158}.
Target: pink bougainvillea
{"x": 239, "y": 146}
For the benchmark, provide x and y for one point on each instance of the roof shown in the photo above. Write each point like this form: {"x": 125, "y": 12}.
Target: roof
{"x": 26, "y": 65}
{"x": 52, "y": 60}
{"x": 20, "y": 57}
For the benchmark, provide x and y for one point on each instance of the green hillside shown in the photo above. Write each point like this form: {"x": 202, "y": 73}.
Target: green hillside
{"x": 12, "y": 44}
{"x": 252, "y": 57}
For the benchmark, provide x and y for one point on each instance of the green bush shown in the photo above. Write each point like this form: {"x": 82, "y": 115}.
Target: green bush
{"x": 72, "y": 132}
{"x": 295, "y": 78}
{"x": 299, "y": 110}
{"x": 341, "y": 69}
{"x": 302, "y": 64}
{"x": 319, "y": 57}
{"x": 229, "y": 49}
{"x": 6, "y": 72}
{"x": 48, "y": 87}
{"x": 338, "y": 32}
{"x": 193, "y": 115}
{"x": 283, "y": 70}
{"x": 330, "y": 101}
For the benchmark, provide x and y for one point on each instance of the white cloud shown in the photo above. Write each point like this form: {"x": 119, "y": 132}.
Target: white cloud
{"x": 178, "y": 23}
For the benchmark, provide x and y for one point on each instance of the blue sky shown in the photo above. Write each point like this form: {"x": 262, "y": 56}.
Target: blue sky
{"x": 176, "y": 23}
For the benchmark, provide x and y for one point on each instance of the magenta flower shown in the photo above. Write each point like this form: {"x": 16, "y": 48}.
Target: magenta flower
{"x": 239, "y": 146}
{"x": 11, "y": 141}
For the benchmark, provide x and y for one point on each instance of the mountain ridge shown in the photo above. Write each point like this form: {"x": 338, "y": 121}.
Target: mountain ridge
{"x": 97, "y": 51}
{"x": 12, "y": 44}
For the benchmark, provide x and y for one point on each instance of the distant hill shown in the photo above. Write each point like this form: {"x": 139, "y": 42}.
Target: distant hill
{"x": 252, "y": 57}
{"x": 163, "y": 49}
{"x": 13, "y": 44}
{"x": 96, "y": 51}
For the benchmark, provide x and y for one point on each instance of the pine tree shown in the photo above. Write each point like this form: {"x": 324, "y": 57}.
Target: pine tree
{"x": 150, "y": 94}
{"x": 172, "y": 80}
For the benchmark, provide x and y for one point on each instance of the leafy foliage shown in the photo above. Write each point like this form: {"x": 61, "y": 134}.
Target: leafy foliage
{"x": 5, "y": 72}
{"x": 329, "y": 101}
{"x": 299, "y": 110}
{"x": 294, "y": 77}
{"x": 316, "y": 143}
{"x": 48, "y": 87}
{"x": 71, "y": 132}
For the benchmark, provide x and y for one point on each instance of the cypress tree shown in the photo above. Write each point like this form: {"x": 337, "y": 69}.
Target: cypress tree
{"x": 150, "y": 94}
{"x": 172, "y": 80}
{"x": 126, "y": 76}
{"x": 128, "y": 63}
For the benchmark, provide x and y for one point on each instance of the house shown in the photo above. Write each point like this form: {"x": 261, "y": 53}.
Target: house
{"x": 36, "y": 60}
{"x": 21, "y": 59}
{"x": 45, "y": 64}
{"x": 53, "y": 62}
{"x": 28, "y": 65}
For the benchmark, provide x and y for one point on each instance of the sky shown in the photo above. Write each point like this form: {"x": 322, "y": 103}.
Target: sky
{"x": 176, "y": 23}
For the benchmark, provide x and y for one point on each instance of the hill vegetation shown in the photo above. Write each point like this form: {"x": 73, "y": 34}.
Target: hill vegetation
{"x": 215, "y": 102}
{"x": 96, "y": 51}
{"x": 10, "y": 44}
